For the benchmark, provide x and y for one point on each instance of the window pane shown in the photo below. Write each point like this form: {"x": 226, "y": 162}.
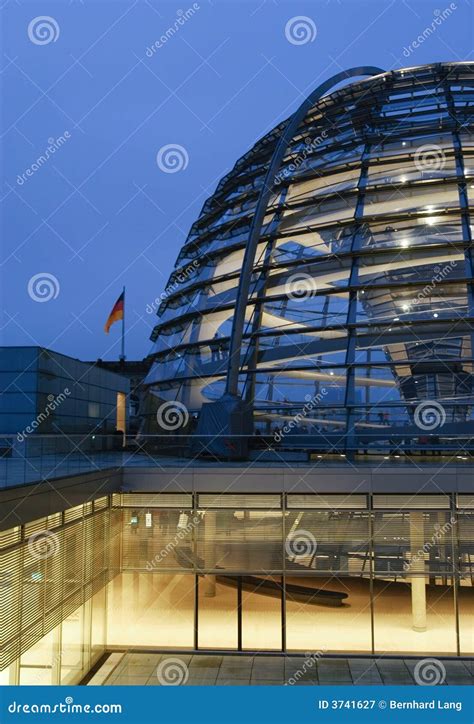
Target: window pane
{"x": 218, "y": 612}
{"x": 37, "y": 665}
{"x": 261, "y": 613}
{"x": 72, "y": 647}
{"x": 98, "y": 626}
{"x": 240, "y": 540}
{"x": 151, "y": 609}
{"x": 328, "y": 614}
{"x": 399, "y": 606}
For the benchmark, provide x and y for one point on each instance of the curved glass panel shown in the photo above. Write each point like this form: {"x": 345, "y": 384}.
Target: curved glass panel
{"x": 359, "y": 321}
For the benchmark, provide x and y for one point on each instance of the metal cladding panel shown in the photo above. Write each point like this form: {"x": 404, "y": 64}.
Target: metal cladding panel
{"x": 340, "y": 502}
{"x": 155, "y": 500}
{"x": 252, "y": 501}
{"x": 411, "y": 502}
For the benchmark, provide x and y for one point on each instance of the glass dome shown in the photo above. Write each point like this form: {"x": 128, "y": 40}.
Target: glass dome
{"x": 358, "y": 322}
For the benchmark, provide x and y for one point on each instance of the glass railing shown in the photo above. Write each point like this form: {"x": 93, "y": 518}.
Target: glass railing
{"x": 46, "y": 457}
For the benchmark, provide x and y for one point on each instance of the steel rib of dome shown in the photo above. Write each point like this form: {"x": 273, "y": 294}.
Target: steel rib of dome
{"x": 361, "y": 305}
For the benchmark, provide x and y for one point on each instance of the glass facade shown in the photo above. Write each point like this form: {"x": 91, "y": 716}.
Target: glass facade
{"x": 359, "y": 317}
{"x": 293, "y": 573}
{"x": 54, "y": 574}
{"x": 296, "y": 573}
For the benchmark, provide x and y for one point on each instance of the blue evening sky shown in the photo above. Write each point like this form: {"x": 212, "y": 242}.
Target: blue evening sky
{"x": 99, "y": 213}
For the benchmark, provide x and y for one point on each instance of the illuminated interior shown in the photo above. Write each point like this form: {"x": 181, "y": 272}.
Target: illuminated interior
{"x": 165, "y": 572}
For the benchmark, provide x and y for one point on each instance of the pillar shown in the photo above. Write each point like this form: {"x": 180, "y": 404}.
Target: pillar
{"x": 418, "y": 581}
{"x": 209, "y": 586}
{"x": 209, "y": 582}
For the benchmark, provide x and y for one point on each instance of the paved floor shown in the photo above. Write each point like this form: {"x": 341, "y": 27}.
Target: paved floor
{"x": 227, "y": 670}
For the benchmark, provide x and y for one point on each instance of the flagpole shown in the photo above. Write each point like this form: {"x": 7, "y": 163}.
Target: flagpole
{"x": 122, "y": 356}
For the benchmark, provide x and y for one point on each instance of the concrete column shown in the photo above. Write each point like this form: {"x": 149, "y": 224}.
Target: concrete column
{"x": 441, "y": 542}
{"x": 209, "y": 582}
{"x": 418, "y": 582}
{"x": 209, "y": 586}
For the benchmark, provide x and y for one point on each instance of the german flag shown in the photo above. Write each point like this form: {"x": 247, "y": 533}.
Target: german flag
{"x": 116, "y": 313}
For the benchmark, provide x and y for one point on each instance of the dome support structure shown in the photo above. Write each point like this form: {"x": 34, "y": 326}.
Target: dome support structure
{"x": 225, "y": 425}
